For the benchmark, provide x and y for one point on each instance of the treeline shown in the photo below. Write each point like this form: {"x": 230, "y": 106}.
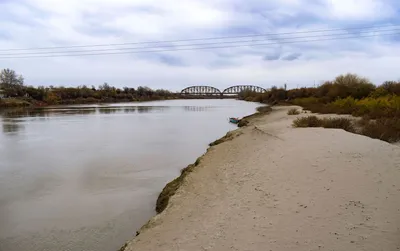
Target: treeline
{"x": 379, "y": 106}
{"x": 343, "y": 86}
{"x": 14, "y": 91}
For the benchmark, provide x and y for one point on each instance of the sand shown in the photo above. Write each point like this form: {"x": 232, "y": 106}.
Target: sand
{"x": 275, "y": 187}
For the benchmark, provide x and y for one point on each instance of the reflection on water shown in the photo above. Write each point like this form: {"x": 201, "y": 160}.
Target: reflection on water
{"x": 65, "y": 110}
{"x": 107, "y": 110}
{"x": 12, "y": 128}
{"x": 196, "y": 108}
{"x": 45, "y": 112}
{"x": 86, "y": 177}
{"x": 129, "y": 109}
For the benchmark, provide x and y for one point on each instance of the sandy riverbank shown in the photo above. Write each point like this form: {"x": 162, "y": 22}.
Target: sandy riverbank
{"x": 274, "y": 187}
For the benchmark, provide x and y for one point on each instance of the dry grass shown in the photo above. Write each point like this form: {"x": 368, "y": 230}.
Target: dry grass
{"x": 243, "y": 122}
{"x": 313, "y": 121}
{"x": 227, "y": 137}
{"x": 383, "y": 129}
{"x": 310, "y": 121}
{"x": 171, "y": 188}
{"x": 262, "y": 110}
{"x": 293, "y": 111}
{"x": 341, "y": 123}
{"x": 386, "y": 129}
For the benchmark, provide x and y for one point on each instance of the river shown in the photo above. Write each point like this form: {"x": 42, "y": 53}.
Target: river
{"x": 86, "y": 177}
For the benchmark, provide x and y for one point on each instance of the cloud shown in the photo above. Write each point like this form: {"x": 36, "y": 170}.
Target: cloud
{"x": 41, "y": 23}
{"x": 361, "y": 9}
{"x": 165, "y": 59}
{"x": 291, "y": 56}
{"x": 273, "y": 55}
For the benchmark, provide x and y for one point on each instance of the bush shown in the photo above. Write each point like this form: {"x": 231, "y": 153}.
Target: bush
{"x": 381, "y": 107}
{"x": 310, "y": 121}
{"x": 341, "y": 123}
{"x": 391, "y": 87}
{"x": 387, "y": 129}
{"x": 314, "y": 121}
{"x": 264, "y": 109}
{"x": 293, "y": 111}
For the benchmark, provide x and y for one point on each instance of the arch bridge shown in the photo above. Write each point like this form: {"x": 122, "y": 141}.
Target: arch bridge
{"x": 212, "y": 91}
{"x": 201, "y": 90}
{"x": 240, "y": 88}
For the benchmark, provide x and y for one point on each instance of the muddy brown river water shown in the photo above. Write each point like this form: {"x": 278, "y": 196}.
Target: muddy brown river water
{"x": 85, "y": 178}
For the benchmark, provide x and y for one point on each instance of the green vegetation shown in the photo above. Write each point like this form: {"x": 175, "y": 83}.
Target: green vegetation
{"x": 379, "y": 106}
{"x": 12, "y": 88}
{"x": 293, "y": 111}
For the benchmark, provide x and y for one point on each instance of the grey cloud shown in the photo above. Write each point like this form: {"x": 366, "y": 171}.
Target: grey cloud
{"x": 272, "y": 57}
{"x": 291, "y": 56}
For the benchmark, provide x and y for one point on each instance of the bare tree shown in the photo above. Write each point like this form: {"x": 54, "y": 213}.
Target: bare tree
{"x": 11, "y": 83}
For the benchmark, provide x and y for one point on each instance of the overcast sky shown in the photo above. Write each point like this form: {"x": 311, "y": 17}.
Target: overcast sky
{"x": 43, "y": 23}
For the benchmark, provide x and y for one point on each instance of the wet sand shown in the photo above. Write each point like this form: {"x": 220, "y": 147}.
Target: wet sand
{"x": 275, "y": 187}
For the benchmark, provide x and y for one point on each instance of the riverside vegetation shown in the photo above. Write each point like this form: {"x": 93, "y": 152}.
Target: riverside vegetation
{"x": 14, "y": 93}
{"x": 377, "y": 106}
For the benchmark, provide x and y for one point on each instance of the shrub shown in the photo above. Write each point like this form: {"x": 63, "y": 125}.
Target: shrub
{"x": 341, "y": 123}
{"x": 379, "y": 92}
{"x": 306, "y": 101}
{"x": 391, "y": 87}
{"x": 243, "y": 122}
{"x": 351, "y": 85}
{"x": 344, "y": 106}
{"x": 293, "y": 111}
{"x": 313, "y": 121}
{"x": 264, "y": 109}
{"x": 382, "y": 107}
{"x": 387, "y": 129}
{"x": 310, "y": 121}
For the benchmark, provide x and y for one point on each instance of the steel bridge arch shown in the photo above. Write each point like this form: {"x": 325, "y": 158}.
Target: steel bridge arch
{"x": 239, "y": 88}
{"x": 201, "y": 90}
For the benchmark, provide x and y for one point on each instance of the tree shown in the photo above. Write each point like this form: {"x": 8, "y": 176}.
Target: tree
{"x": 10, "y": 78}
{"x": 11, "y": 83}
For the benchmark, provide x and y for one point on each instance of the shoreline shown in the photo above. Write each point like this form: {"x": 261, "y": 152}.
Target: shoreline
{"x": 14, "y": 103}
{"x": 171, "y": 187}
{"x": 176, "y": 188}
{"x": 22, "y": 103}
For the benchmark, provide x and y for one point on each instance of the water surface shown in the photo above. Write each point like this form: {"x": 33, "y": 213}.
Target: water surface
{"x": 87, "y": 177}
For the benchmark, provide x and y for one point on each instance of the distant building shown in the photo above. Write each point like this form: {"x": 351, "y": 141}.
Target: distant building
{"x": 2, "y": 94}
